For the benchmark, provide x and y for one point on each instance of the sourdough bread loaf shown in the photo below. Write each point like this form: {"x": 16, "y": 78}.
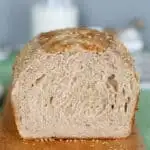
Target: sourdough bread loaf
{"x": 74, "y": 83}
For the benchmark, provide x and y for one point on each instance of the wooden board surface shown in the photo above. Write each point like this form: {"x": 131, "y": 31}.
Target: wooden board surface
{"x": 10, "y": 140}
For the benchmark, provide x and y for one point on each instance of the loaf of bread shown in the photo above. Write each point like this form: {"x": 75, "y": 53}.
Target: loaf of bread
{"x": 74, "y": 83}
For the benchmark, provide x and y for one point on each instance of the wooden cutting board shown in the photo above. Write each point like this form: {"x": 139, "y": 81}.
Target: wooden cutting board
{"x": 10, "y": 139}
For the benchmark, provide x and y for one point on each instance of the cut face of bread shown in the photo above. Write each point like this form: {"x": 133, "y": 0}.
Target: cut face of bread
{"x": 75, "y": 93}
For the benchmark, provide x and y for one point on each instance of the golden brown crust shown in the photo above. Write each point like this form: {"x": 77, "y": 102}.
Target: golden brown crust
{"x": 88, "y": 39}
{"x": 62, "y": 40}
{"x": 10, "y": 139}
{"x": 68, "y": 39}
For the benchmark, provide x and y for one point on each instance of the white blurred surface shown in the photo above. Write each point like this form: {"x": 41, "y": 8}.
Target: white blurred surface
{"x": 5, "y": 52}
{"x": 54, "y": 15}
{"x": 131, "y": 39}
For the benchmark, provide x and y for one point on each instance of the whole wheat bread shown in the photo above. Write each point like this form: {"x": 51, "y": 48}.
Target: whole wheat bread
{"x": 74, "y": 83}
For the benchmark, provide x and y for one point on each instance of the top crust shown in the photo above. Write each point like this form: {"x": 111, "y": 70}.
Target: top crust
{"x": 66, "y": 40}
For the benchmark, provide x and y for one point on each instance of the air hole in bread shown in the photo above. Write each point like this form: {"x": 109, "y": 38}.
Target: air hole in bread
{"x": 136, "y": 76}
{"x": 111, "y": 81}
{"x": 129, "y": 99}
{"x": 48, "y": 57}
{"x": 112, "y": 106}
{"x": 32, "y": 85}
{"x": 51, "y": 99}
{"x": 123, "y": 91}
{"x": 74, "y": 79}
{"x": 91, "y": 107}
{"x": 111, "y": 77}
{"x": 81, "y": 67}
{"x": 45, "y": 105}
{"x": 20, "y": 118}
{"x": 39, "y": 79}
{"x": 115, "y": 98}
{"x": 87, "y": 125}
{"x": 131, "y": 85}
{"x": 108, "y": 86}
{"x": 98, "y": 106}
{"x": 125, "y": 107}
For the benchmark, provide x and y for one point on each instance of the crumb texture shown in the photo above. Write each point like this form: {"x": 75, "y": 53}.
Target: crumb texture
{"x": 75, "y": 83}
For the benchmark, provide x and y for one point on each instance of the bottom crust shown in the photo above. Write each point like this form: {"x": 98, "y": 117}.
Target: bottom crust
{"x": 10, "y": 139}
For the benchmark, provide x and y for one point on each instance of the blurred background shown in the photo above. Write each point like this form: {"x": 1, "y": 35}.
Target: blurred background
{"x": 129, "y": 20}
